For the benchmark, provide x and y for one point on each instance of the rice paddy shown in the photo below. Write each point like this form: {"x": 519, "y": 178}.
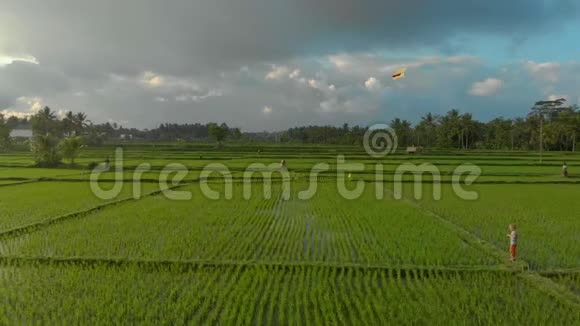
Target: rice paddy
{"x": 277, "y": 257}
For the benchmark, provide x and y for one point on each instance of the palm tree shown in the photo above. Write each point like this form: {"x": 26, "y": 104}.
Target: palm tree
{"x": 520, "y": 133}
{"x": 576, "y": 125}
{"x": 426, "y": 130}
{"x": 543, "y": 109}
{"x": 571, "y": 120}
{"x": 81, "y": 122}
{"x": 449, "y": 131}
{"x": 44, "y": 121}
{"x": 466, "y": 127}
{"x": 71, "y": 147}
{"x": 45, "y": 149}
{"x": 5, "y": 130}
{"x": 403, "y": 131}
{"x": 218, "y": 132}
{"x": 68, "y": 123}
{"x": 47, "y": 113}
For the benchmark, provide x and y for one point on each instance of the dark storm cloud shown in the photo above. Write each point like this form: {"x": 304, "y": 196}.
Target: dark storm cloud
{"x": 181, "y": 37}
{"x": 26, "y": 79}
{"x": 6, "y": 99}
{"x": 94, "y": 55}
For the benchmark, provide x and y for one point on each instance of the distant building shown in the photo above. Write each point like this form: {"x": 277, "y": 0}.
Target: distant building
{"x": 126, "y": 136}
{"x": 414, "y": 149}
{"x": 21, "y": 133}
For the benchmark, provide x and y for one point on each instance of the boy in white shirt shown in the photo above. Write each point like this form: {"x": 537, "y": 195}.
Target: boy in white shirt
{"x": 513, "y": 235}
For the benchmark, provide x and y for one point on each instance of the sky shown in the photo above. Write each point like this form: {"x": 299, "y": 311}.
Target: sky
{"x": 273, "y": 64}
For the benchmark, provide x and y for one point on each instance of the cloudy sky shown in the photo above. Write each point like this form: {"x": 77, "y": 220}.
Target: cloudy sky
{"x": 273, "y": 64}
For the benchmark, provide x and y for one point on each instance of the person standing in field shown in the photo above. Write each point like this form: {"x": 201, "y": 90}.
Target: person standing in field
{"x": 284, "y": 170}
{"x": 565, "y": 170}
{"x": 513, "y": 235}
{"x": 107, "y": 164}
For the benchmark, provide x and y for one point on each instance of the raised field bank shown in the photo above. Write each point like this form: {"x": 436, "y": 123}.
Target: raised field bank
{"x": 191, "y": 234}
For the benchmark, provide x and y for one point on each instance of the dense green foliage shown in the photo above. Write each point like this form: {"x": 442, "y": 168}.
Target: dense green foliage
{"x": 5, "y": 129}
{"x": 45, "y": 148}
{"x": 550, "y": 125}
{"x": 324, "y": 229}
{"x": 271, "y": 296}
{"x": 547, "y": 216}
{"x": 32, "y": 202}
{"x": 71, "y": 147}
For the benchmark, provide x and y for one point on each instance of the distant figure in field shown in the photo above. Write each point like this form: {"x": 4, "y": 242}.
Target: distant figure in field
{"x": 513, "y": 235}
{"x": 283, "y": 165}
{"x": 565, "y": 170}
{"x": 107, "y": 164}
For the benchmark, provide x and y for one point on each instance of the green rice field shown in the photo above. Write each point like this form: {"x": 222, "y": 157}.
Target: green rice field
{"x": 298, "y": 251}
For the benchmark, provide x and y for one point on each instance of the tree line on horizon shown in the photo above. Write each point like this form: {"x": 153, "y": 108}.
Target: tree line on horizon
{"x": 550, "y": 125}
{"x": 55, "y": 138}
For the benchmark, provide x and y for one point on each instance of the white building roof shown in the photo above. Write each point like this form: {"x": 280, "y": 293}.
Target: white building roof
{"x": 21, "y": 133}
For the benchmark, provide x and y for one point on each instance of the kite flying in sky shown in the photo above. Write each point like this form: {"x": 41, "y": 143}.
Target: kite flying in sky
{"x": 399, "y": 74}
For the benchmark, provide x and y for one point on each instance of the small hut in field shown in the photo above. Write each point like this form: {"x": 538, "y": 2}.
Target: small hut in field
{"x": 414, "y": 149}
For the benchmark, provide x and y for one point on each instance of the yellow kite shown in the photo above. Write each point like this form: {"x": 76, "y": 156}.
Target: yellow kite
{"x": 399, "y": 74}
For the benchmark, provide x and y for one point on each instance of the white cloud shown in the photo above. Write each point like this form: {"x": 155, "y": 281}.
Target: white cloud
{"x": 281, "y": 72}
{"x": 165, "y": 83}
{"x": 487, "y": 87}
{"x": 373, "y": 84}
{"x": 357, "y": 105}
{"x": 277, "y": 72}
{"x": 320, "y": 85}
{"x": 152, "y": 80}
{"x": 362, "y": 65}
{"x": 118, "y": 122}
{"x": 341, "y": 61}
{"x": 548, "y": 71}
{"x": 330, "y": 105}
{"x": 294, "y": 74}
{"x": 25, "y": 107}
{"x": 267, "y": 109}
{"x": 555, "y": 97}
{"x": 8, "y": 59}
{"x": 314, "y": 83}
{"x": 198, "y": 98}
{"x": 61, "y": 114}
{"x": 434, "y": 60}
{"x": 463, "y": 59}
{"x": 179, "y": 88}
{"x": 11, "y": 113}
{"x": 391, "y": 68}
{"x": 34, "y": 104}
